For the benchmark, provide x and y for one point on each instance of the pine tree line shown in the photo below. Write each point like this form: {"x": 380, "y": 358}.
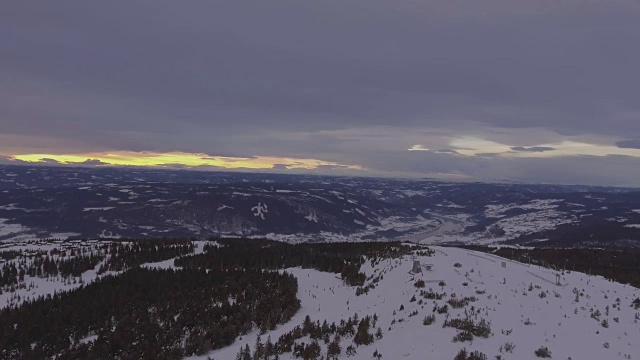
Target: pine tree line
{"x": 149, "y": 314}
{"x": 619, "y": 265}
{"x": 338, "y": 258}
{"x": 217, "y": 296}
{"x": 131, "y": 254}
{"x": 329, "y": 335}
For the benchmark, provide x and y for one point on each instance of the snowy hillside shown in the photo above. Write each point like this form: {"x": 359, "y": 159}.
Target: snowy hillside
{"x": 585, "y": 317}
{"x": 461, "y": 299}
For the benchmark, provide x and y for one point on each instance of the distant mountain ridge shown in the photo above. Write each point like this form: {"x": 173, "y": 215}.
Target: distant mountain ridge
{"x": 42, "y": 202}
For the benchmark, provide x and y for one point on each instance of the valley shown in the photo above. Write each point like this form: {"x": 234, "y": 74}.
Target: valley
{"x": 86, "y": 203}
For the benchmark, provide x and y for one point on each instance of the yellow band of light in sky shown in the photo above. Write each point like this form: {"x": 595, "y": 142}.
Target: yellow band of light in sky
{"x": 130, "y": 158}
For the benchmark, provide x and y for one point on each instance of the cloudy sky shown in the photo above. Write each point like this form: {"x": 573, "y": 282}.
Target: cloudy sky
{"x": 535, "y": 91}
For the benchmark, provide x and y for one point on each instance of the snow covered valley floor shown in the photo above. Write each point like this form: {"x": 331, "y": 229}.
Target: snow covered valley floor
{"x": 585, "y": 317}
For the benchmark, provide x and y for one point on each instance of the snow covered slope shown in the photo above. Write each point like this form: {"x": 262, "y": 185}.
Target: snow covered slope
{"x": 582, "y": 317}
{"x": 585, "y": 317}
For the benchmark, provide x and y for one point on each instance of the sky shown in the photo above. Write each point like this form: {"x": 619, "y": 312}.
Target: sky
{"x": 480, "y": 90}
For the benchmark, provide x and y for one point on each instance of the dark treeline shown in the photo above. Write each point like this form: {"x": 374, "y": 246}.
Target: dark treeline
{"x": 43, "y": 265}
{"x": 590, "y": 232}
{"x": 147, "y": 314}
{"x": 339, "y": 258}
{"x": 124, "y": 255}
{"x": 72, "y": 262}
{"x": 9, "y": 275}
{"x": 216, "y": 297}
{"x": 9, "y": 254}
{"x": 618, "y": 265}
{"x": 321, "y": 335}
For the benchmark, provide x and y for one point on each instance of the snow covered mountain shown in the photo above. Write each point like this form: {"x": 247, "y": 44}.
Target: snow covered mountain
{"x": 581, "y": 317}
{"x": 460, "y": 300}
{"x": 585, "y": 317}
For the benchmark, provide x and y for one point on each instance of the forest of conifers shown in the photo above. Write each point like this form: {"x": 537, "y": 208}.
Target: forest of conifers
{"x": 208, "y": 301}
{"x": 620, "y": 265}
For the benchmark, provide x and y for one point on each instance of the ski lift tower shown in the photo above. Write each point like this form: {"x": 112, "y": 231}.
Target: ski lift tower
{"x": 417, "y": 267}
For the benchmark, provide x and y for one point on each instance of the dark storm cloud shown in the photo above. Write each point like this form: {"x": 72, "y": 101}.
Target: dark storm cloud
{"x": 280, "y": 167}
{"x": 531, "y": 148}
{"x": 92, "y": 162}
{"x": 277, "y": 77}
{"x": 50, "y": 161}
{"x": 5, "y": 160}
{"x": 488, "y": 155}
{"x": 629, "y": 144}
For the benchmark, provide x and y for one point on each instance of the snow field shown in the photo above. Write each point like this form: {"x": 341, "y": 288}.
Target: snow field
{"x": 517, "y": 315}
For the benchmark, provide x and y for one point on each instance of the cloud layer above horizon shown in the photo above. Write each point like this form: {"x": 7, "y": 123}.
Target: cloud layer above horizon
{"x": 523, "y": 90}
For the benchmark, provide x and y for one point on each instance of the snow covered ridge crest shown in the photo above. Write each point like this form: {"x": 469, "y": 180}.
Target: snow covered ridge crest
{"x": 414, "y": 303}
{"x": 468, "y": 303}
